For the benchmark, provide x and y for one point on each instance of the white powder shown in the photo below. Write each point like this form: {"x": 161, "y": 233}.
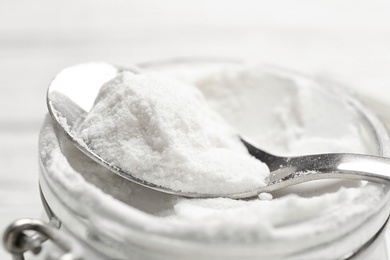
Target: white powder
{"x": 265, "y": 196}
{"x": 277, "y": 112}
{"x": 163, "y": 131}
{"x": 282, "y": 115}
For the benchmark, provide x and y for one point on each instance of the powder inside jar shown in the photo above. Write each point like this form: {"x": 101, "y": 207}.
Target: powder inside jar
{"x": 279, "y": 112}
{"x": 163, "y": 132}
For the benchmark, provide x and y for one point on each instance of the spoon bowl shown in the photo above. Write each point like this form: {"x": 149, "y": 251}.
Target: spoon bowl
{"x": 71, "y": 95}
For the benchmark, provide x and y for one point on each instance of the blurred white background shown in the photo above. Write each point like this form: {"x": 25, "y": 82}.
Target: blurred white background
{"x": 345, "y": 40}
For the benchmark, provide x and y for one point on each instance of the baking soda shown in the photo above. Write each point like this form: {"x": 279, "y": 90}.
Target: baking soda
{"x": 280, "y": 113}
{"x": 163, "y": 132}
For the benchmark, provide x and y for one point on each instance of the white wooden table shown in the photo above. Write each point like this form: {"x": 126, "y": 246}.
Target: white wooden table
{"x": 345, "y": 40}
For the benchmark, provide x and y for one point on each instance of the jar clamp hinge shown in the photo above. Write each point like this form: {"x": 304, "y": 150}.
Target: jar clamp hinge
{"x": 25, "y": 235}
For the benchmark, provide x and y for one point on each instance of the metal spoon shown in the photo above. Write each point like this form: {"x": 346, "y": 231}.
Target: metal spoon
{"x": 71, "y": 95}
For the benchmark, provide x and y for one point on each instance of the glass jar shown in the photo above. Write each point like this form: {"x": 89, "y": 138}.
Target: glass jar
{"x": 103, "y": 216}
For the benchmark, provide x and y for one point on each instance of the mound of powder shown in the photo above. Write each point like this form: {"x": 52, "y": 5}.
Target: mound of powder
{"x": 163, "y": 132}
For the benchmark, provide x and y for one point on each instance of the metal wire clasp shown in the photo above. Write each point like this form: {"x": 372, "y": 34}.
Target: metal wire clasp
{"x": 28, "y": 235}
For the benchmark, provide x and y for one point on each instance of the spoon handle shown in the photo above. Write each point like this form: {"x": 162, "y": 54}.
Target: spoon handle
{"x": 290, "y": 171}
